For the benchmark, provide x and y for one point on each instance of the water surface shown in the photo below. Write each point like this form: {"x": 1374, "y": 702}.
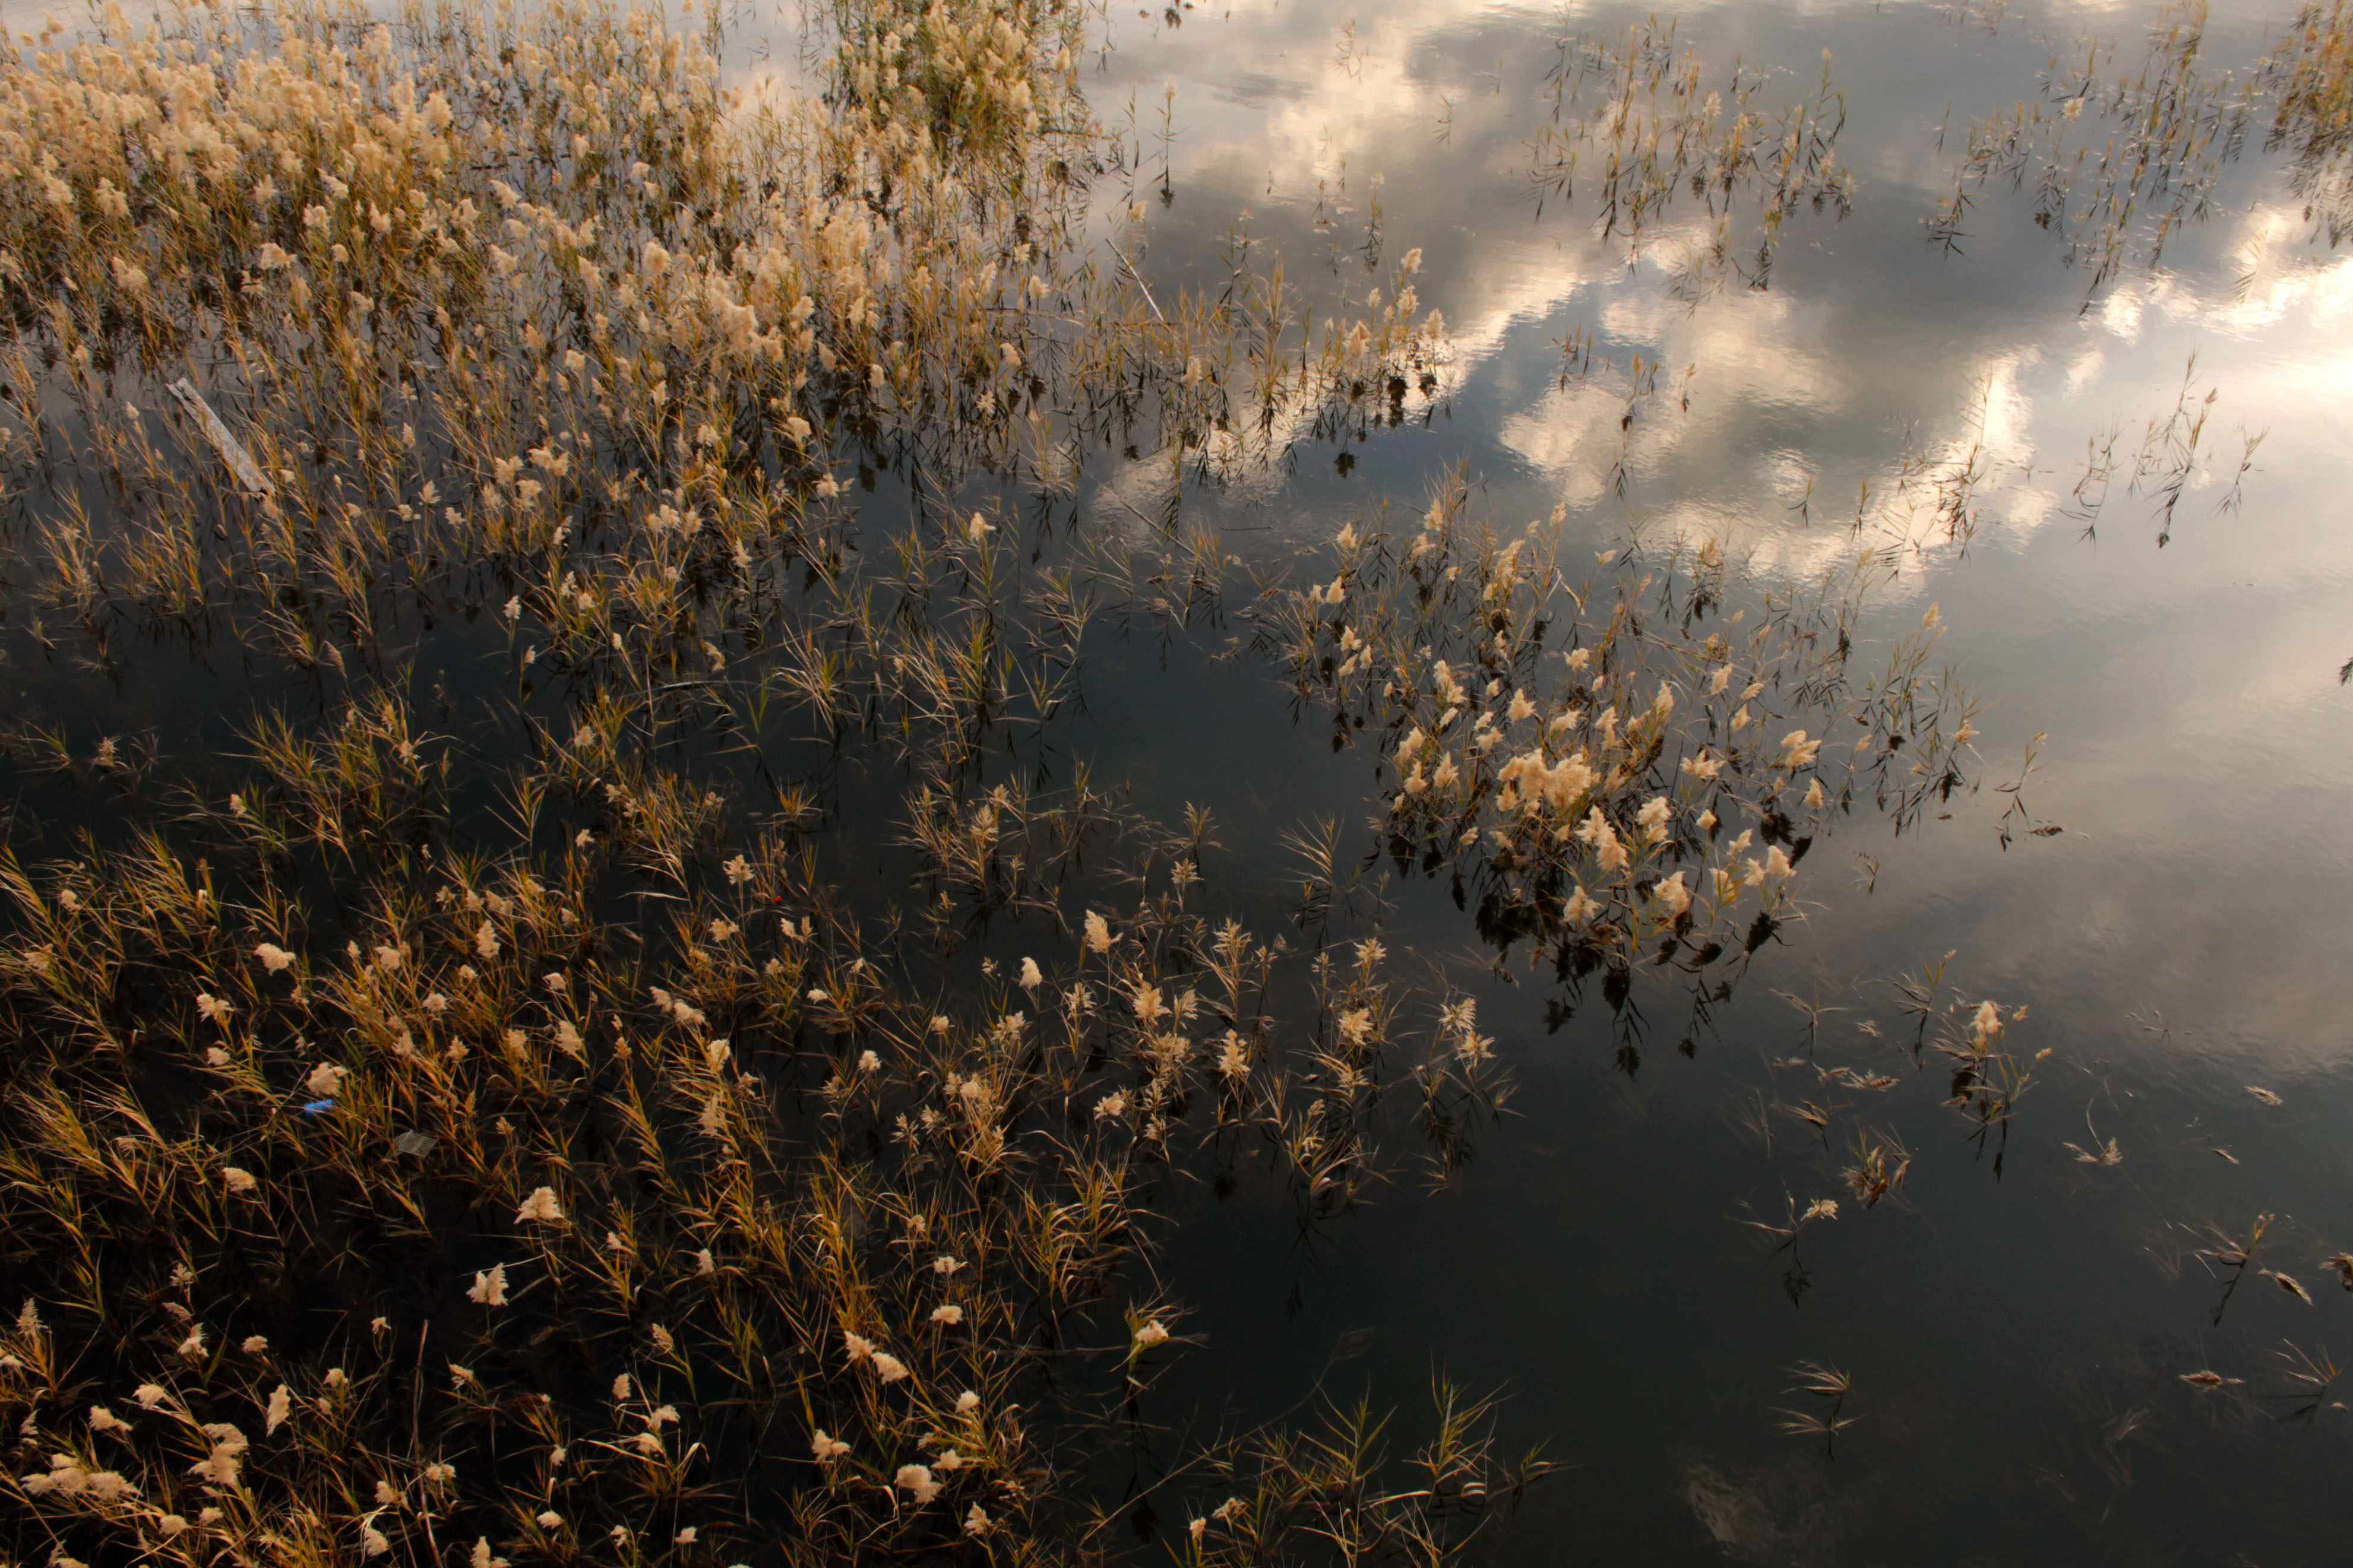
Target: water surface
{"x": 2165, "y": 898}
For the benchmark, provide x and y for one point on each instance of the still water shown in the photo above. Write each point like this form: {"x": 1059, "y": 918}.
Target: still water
{"x": 2014, "y": 1342}
{"x": 1996, "y": 405}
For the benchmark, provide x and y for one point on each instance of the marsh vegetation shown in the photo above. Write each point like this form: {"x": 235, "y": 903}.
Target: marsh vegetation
{"x": 748, "y": 801}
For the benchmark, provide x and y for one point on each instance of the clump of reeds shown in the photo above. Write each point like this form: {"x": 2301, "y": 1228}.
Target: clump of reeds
{"x": 2116, "y": 185}
{"x": 2310, "y": 74}
{"x": 647, "y": 308}
{"x": 715, "y": 1216}
{"x": 1637, "y": 131}
{"x": 1623, "y": 770}
{"x": 542, "y": 1161}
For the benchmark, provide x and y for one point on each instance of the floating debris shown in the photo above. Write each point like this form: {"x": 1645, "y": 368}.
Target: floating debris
{"x": 232, "y": 451}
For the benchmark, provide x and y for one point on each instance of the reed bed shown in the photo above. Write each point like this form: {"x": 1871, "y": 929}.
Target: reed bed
{"x": 711, "y": 1091}
{"x": 1639, "y": 129}
{"x": 545, "y": 1163}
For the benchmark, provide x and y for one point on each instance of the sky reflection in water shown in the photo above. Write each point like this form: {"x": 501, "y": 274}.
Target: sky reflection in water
{"x": 2016, "y": 1344}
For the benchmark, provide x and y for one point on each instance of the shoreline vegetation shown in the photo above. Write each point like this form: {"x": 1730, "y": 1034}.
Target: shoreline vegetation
{"x": 512, "y": 1127}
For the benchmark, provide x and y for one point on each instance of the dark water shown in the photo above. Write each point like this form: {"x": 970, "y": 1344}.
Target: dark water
{"x": 2015, "y": 1330}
